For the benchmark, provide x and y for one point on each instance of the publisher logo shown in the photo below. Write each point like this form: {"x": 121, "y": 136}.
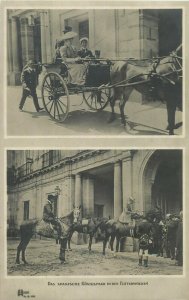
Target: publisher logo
{"x": 25, "y": 294}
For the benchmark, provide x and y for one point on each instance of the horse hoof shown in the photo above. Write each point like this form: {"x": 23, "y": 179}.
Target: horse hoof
{"x": 63, "y": 262}
{"x": 17, "y": 263}
{"x": 25, "y": 262}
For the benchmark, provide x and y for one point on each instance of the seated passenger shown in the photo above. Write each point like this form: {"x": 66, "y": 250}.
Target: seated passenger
{"x": 60, "y": 43}
{"x": 69, "y": 55}
{"x": 84, "y": 52}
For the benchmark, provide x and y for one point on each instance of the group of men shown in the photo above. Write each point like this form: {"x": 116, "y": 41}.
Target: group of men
{"x": 165, "y": 235}
{"x": 65, "y": 52}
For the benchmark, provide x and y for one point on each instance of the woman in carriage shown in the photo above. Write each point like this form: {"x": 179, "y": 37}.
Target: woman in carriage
{"x": 69, "y": 55}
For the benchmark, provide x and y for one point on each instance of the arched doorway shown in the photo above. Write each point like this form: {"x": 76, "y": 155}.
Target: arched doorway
{"x": 162, "y": 181}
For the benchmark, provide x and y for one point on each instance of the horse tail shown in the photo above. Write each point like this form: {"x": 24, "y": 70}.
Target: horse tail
{"x": 27, "y": 229}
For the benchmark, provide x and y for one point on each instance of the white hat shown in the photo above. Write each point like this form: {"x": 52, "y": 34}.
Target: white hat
{"x": 67, "y": 36}
{"x": 83, "y": 39}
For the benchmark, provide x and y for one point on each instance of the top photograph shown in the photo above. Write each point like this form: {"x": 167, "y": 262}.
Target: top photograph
{"x": 94, "y": 72}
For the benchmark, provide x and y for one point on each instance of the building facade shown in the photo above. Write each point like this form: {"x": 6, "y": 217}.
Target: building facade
{"x": 101, "y": 181}
{"x": 138, "y": 33}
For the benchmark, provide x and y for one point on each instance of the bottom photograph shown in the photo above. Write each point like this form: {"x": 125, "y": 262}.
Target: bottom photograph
{"x": 94, "y": 212}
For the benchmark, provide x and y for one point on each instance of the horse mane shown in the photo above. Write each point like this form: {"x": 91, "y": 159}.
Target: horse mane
{"x": 141, "y": 62}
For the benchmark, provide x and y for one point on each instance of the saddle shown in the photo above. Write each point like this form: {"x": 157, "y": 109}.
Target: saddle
{"x": 84, "y": 222}
{"x": 125, "y": 218}
{"x": 46, "y": 229}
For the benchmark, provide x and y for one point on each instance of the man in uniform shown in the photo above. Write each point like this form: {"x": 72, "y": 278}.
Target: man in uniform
{"x": 49, "y": 217}
{"x": 179, "y": 242}
{"x": 29, "y": 80}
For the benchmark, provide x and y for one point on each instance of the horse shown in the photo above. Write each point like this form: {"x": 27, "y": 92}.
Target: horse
{"x": 159, "y": 78}
{"x": 40, "y": 227}
{"x": 87, "y": 226}
{"x": 119, "y": 230}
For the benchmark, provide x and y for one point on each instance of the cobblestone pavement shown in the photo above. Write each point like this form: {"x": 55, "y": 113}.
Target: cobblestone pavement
{"x": 146, "y": 119}
{"x": 42, "y": 256}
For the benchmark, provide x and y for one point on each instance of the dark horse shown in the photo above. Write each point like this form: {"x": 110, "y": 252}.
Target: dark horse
{"x": 87, "y": 226}
{"x": 160, "y": 79}
{"x": 116, "y": 229}
{"x": 31, "y": 227}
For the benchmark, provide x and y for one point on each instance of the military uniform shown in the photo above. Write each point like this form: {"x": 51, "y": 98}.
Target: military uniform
{"x": 29, "y": 80}
{"x": 179, "y": 244}
{"x": 49, "y": 217}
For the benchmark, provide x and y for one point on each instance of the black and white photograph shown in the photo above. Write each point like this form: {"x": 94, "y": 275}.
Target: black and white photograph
{"x": 94, "y": 150}
{"x": 94, "y": 212}
{"x": 94, "y": 72}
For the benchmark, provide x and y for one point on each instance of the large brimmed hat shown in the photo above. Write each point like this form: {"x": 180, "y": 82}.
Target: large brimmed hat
{"x": 83, "y": 39}
{"x": 67, "y": 36}
{"x": 67, "y": 29}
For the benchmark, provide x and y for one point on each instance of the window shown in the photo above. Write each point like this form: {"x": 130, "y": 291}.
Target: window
{"x": 98, "y": 210}
{"x": 26, "y": 210}
{"x": 83, "y": 29}
{"x": 51, "y": 157}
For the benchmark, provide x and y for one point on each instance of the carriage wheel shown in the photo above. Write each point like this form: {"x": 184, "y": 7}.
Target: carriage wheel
{"x": 55, "y": 96}
{"x": 97, "y": 99}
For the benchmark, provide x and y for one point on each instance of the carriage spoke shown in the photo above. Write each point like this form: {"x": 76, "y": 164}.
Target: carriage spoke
{"x": 48, "y": 84}
{"x": 62, "y": 103}
{"x": 57, "y": 110}
{"x": 47, "y": 88}
{"x": 55, "y": 96}
{"x": 51, "y": 107}
{"x": 60, "y": 107}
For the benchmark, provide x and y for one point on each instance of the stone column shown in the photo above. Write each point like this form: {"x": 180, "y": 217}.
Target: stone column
{"x": 15, "y": 76}
{"x": 9, "y": 45}
{"x": 127, "y": 178}
{"x": 78, "y": 190}
{"x": 88, "y": 196}
{"x": 43, "y": 37}
{"x": 48, "y": 37}
{"x": 70, "y": 193}
{"x": 117, "y": 190}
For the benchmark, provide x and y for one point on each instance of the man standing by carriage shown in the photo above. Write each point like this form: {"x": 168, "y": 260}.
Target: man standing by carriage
{"x": 29, "y": 80}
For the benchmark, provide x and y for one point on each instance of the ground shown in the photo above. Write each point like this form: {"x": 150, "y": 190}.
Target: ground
{"x": 42, "y": 256}
{"x": 148, "y": 119}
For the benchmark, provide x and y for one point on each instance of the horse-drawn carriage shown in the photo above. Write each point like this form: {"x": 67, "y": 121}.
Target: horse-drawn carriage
{"x": 108, "y": 80}
{"x": 56, "y": 89}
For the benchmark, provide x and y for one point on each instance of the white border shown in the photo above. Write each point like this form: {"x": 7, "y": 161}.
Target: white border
{"x": 91, "y": 5}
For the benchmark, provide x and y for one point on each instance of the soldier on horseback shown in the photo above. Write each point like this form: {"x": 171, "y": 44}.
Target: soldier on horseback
{"x": 49, "y": 217}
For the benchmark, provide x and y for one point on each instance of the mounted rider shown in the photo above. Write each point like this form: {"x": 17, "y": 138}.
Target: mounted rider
{"x": 49, "y": 217}
{"x": 126, "y": 216}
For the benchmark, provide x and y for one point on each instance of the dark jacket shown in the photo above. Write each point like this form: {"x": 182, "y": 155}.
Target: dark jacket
{"x": 48, "y": 214}
{"x": 84, "y": 53}
{"x": 144, "y": 227}
{"x": 30, "y": 77}
{"x": 179, "y": 236}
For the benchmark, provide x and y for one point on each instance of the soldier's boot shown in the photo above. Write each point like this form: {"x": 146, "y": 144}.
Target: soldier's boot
{"x": 146, "y": 262}
{"x": 59, "y": 231}
{"x": 140, "y": 262}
